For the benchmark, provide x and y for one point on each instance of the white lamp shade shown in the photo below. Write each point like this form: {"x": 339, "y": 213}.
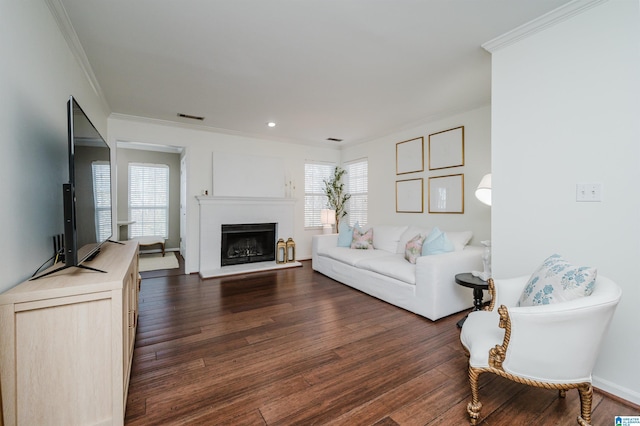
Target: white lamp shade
{"x": 327, "y": 217}
{"x": 483, "y": 193}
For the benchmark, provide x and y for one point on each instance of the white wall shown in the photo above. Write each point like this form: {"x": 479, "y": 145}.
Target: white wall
{"x": 246, "y": 175}
{"x": 38, "y": 74}
{"x": 381, "y": 155}
{"x": 200, "y": 144}
{"x": 565, "y": 109}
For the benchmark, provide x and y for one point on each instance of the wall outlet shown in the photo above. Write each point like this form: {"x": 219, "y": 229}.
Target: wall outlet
{"x": 588, "y": 192}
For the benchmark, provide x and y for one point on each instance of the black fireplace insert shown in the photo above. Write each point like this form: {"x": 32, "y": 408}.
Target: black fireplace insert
{"x": 248, "y": 243}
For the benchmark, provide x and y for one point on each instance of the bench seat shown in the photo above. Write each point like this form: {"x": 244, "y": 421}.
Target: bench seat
{"x": 150, "y": 241}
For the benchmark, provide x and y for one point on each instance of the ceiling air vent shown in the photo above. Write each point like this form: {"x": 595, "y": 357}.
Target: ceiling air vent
{"x": 192, "y": 117}
{"x": 334, "y": 139}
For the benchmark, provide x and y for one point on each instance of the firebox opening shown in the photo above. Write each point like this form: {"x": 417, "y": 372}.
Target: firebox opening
{"x": 248, "y": 243}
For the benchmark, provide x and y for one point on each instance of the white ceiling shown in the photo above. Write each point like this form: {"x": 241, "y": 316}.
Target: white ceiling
{"x": 348, "y": 69}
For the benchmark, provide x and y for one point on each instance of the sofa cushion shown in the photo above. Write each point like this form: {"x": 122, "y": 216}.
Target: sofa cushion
{"x": 413, "y": 249}
{"x": 393, "y": 266}
{"x": 352, "y": 257}
{"x": 387, "y": 237}
{"x": 362, "y": 240}
{"x": 459, "y": 239}
{"x": 436, "y": 242}
{"x": 557, "y": 280}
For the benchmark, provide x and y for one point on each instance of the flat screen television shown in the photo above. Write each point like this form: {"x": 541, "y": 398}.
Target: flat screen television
{"x": 87, "y": 196}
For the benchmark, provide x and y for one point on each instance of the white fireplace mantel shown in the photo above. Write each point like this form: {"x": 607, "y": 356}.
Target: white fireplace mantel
{"x": 208, "y": 199}
{"x": 218, "y": 211}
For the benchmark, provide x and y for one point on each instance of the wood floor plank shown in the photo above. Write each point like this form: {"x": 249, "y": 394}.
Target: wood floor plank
{"x": 334, "y": 396}
{"x": 377, "y": 409}
{"x": 606, "y": 409}
{"x": 293, "y": 347}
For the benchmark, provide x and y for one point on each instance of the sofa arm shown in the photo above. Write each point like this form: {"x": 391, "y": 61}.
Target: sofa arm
{"x": 320, "y": 243}
{"x": 435, "y": 274}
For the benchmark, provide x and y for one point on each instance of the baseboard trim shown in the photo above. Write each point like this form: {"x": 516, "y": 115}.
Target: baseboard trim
{"x": 625, "y": 395}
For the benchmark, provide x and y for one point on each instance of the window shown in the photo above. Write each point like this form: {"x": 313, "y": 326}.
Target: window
{"x": 357, "y": 184}
{"x": 102, "y": 198}
{"x": 148, "y": 200}
{"x": 314, "y": 198}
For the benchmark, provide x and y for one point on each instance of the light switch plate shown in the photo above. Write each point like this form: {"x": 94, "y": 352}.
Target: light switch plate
{"x": 588, "y": 192}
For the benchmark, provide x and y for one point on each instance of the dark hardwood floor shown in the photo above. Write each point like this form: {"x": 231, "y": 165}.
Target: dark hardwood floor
{"x": 293, "y": 347}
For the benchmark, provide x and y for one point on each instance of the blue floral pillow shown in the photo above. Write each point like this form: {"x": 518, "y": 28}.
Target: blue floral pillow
{"x": 557, "y": 280}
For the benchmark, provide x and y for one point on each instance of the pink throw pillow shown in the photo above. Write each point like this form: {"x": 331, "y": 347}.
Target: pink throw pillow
{"x": 362, "y": 241}
{"x": 413, "y": 249}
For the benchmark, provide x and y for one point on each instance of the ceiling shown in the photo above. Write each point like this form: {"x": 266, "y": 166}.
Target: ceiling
{"x": 346, "y": 69}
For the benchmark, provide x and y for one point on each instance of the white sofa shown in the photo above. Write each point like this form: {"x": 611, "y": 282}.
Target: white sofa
{"x": 426, "y": 288}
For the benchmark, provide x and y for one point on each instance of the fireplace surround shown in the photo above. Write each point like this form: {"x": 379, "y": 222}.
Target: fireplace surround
{"x": 217, "y": 211}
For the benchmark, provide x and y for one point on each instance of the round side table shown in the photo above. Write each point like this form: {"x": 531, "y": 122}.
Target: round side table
{"x": 468, "y": 280}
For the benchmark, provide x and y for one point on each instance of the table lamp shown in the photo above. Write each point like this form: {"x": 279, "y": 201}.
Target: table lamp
{"x": 328, "y": 219}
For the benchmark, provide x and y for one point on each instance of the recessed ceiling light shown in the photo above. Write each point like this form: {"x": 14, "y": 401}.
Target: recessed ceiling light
{"x": 271, "y": 124}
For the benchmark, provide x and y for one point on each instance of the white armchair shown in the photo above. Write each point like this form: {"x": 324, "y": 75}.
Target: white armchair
{"x": 551, "y": 346}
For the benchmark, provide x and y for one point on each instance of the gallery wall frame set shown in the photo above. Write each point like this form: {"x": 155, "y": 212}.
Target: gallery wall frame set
{"x": 446, "y": 193}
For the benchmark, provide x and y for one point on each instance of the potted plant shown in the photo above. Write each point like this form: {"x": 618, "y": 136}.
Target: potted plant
{"x": 336, "y": 197}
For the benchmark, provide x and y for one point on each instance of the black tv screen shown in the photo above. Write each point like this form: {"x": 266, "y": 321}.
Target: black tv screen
{"x": 88, "y": 195}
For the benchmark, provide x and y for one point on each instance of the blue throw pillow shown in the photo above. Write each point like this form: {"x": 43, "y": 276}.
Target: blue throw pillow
{"x": 345, "y": 234}
{"x": 436, "y": 243}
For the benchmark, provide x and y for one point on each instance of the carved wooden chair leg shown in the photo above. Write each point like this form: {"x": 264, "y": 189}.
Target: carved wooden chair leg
{"x": 586, "y": 397}
{"x": 473, "y": 408}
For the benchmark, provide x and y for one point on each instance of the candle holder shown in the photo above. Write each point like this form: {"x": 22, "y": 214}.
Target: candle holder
{"x": 281, "y": 251}
{"x": 291, "y": 250}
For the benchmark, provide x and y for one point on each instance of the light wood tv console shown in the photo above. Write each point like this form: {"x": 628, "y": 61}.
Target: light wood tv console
{"x": 66, "y": 343}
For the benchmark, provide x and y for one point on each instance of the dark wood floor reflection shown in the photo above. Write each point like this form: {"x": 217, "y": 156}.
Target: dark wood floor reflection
{"x": 295, "y": 347}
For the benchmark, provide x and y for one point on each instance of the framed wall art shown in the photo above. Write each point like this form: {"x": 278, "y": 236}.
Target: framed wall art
{"x": 410, "y": 156}
{"x": 446, "y": 149}
{"x": 446, "y": 194}
{"x": 409, "y": 198}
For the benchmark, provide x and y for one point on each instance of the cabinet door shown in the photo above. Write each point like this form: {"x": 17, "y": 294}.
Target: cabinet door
{"x": 133, "y": 307}
{"x": 63, "y": 362}
{"x": 126, "y": 321}
{"x": 130, "y": 320}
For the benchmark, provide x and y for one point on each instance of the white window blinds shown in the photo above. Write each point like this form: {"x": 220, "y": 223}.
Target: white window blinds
{"x": 314, "y": 198}
{"x": 102, "y": 198}
{"x": 148, "y": 200}
{"x": 357, "y": 184}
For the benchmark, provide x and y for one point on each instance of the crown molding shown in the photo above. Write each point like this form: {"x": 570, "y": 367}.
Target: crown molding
{"x": 142, "y": 146}
{"x": 547, "y": 20}
{"x": 64, "y": 24}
